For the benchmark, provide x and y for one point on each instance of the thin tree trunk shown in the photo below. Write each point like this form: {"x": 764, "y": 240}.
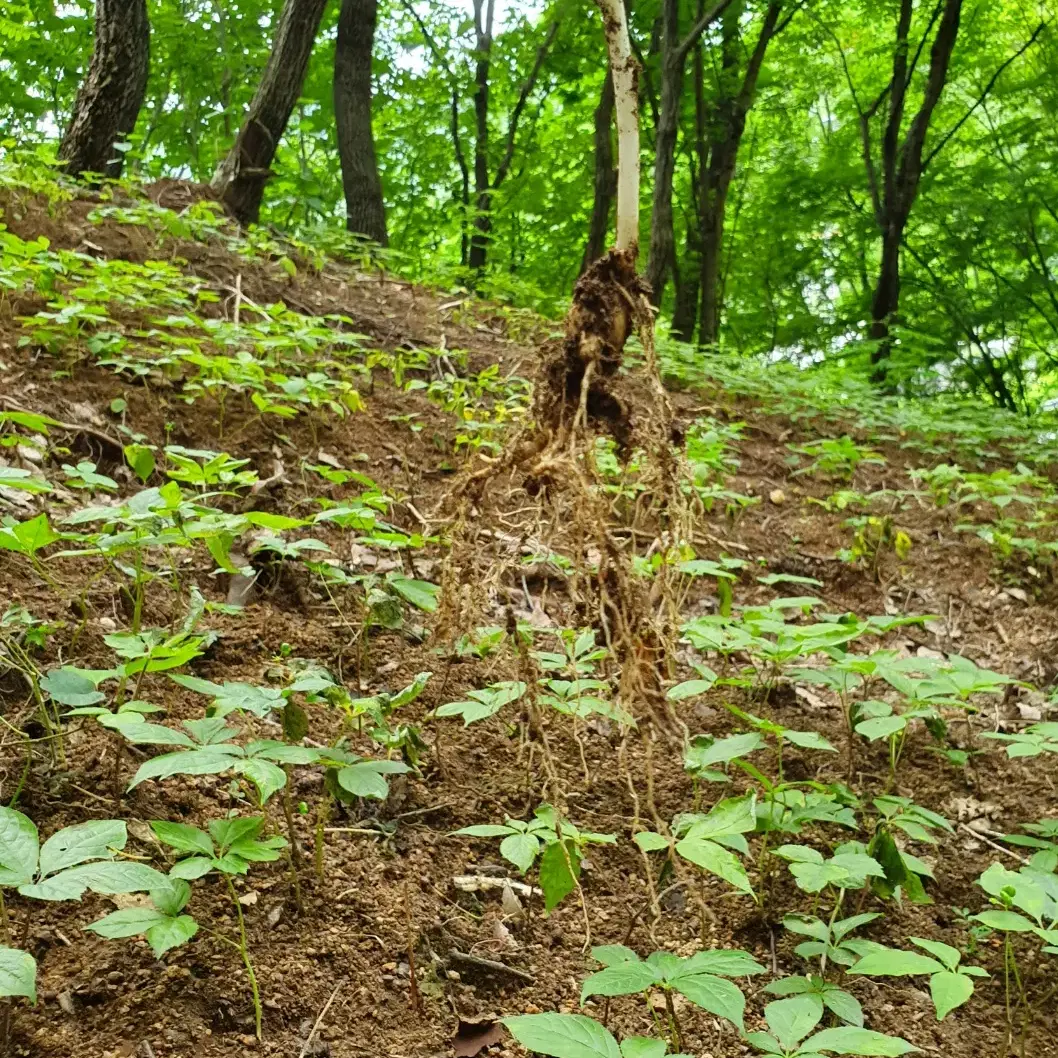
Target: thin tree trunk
{"x": 886, "y": 300}
{"x": 716, "y": 177}
{"x": 662, "y": 244}
{"x": 482, "y": 227}
{"x": 673, "y": 58}
{"x": 109, "y": 100}
{"x": 712, "y": 237}
{"x": 240, "y": 179}
{"x": 688, "y": 281}
{"x": 902, "y": 167}
{"x": 685, "y": 312}
{"x": 364, "y": 208}
{"x": 605, "y": 175}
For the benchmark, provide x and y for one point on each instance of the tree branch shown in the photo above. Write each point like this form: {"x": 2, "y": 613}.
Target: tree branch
{"x": 710, "y": 16}
{"x": 749, "y": 81}
{"x": 922, "y": 43}
{"x": 516, "y": 114}
{"x": 984, "y": 94}
{"x": 864, "y": 121}
{"x": 940, "y": 57}
{"x": 789, "y": 18}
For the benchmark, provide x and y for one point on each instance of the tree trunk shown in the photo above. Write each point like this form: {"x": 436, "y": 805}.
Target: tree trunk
{"x": 662, "y": 244}
{"x": 886, "y": 299}
{"x": 109, "y": 100}
{"x": 364, "y": 209}
{"x": 687, "y": 283}
{"x": 605, "y": 176}
{"x": 712, "y": 238}
{"x": 902, "y": 166}
{"x": 482, "y": 227}
{"x": 727, "y": 129}
{"x": 241, "y": 177}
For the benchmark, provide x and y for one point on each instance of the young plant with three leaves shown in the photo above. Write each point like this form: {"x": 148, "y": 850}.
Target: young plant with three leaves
{"x": 711, "y": 840}
{"x": 950, "y": 984}
{"x": 831, "y": 943}
{"x": 556, "y": 842}
{"x": 483, "y": 703}
{"x": 1024, "y": 905}
{"x": 791, "y": 1020}
{"x": 578, "y": 1036}
{"x": 82, "y": 857}
{"x": 702, "y": 978}
{"x": 228, "y": 848}
{"x": 903, "y": 870}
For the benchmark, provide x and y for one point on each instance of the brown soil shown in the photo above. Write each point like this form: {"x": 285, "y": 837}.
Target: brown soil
{"x": 385, "y": 898}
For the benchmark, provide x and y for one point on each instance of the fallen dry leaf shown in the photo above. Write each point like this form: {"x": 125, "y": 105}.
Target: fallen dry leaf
{"x": 472, "y": 1037}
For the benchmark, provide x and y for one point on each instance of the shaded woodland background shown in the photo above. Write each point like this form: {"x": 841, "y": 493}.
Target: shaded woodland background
{"x": 871, "y": 183}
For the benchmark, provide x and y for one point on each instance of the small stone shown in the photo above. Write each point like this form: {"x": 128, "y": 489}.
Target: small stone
{"x": 777, "y": 496}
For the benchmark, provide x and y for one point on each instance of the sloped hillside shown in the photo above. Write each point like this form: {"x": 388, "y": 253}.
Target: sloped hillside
{"x": 249, "y": 652}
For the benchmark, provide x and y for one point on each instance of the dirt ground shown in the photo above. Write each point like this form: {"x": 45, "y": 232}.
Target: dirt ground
{"x": 387, "y": 896}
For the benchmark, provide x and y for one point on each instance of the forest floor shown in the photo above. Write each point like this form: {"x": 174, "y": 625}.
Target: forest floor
{"x": 335, "y": 975}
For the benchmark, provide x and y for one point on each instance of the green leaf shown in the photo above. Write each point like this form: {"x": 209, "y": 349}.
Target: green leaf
{"x": 621, "y": 979}
{"x": 717, "y": 860}
{"x": 69, "y": 687}
{"x": 895, "y": 963}
{"x": 735, "y": 815}
{"x": 648, "y": 841}
{"x": 799, "y": 854}
{"x": 705, "y": 752}
{"x": 556, "y": 880}
{"x": 420, "y": 593}
{"x": 642, "y": 1047}
{"x": 98, "y": 839}
{"x": 881, "y": 727}
{"x": 520, "y": 849}
{"x": 28, "y": 537}
{"x": 18, "y": 848}
{"x": 18, "y": 974}
{"x": 141, "y": 459}
{"x": 173, "y": 898}
{"x": 808, "y": 740}
{"x": 269, "y": 778}
{"x": 715, "y": 994}
{"x": 792, "y": 1019}
{"x": 764, "y": 1042}
{"x": 945, "y": 952}
{"x": 723, "y": 961}
{"x": 844, "y": 1005}
{"x": 23, "y": 480}
{"x": 275, "y": 522}
{"x": 258, "y": 851}
{"x": 612, "y": 954}
{"x": 949, "y": 990}
{"x": 485, "y": 830}
{"x": 128, "y": 922}
{"x": 191, "y": 868}
{"x": 851, "y": 1040}
{"x": 207, "y": 761}
{"x": 689, "y": 689}
{"x": 807, "y": 926}
{"x": 147, "y": 734}
{"x": 182, "y": 837}
{"x": 563, "y": 1035}
{"x": 225, "y": 832}
{"x": 789, "y": 986}
{"x": 364, "y": 779}
{"x": 1008, "y": 921}
{"x": 171, "y": 933}
{"x": 107, "y": 877}
{"x": 843, "y": 927}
